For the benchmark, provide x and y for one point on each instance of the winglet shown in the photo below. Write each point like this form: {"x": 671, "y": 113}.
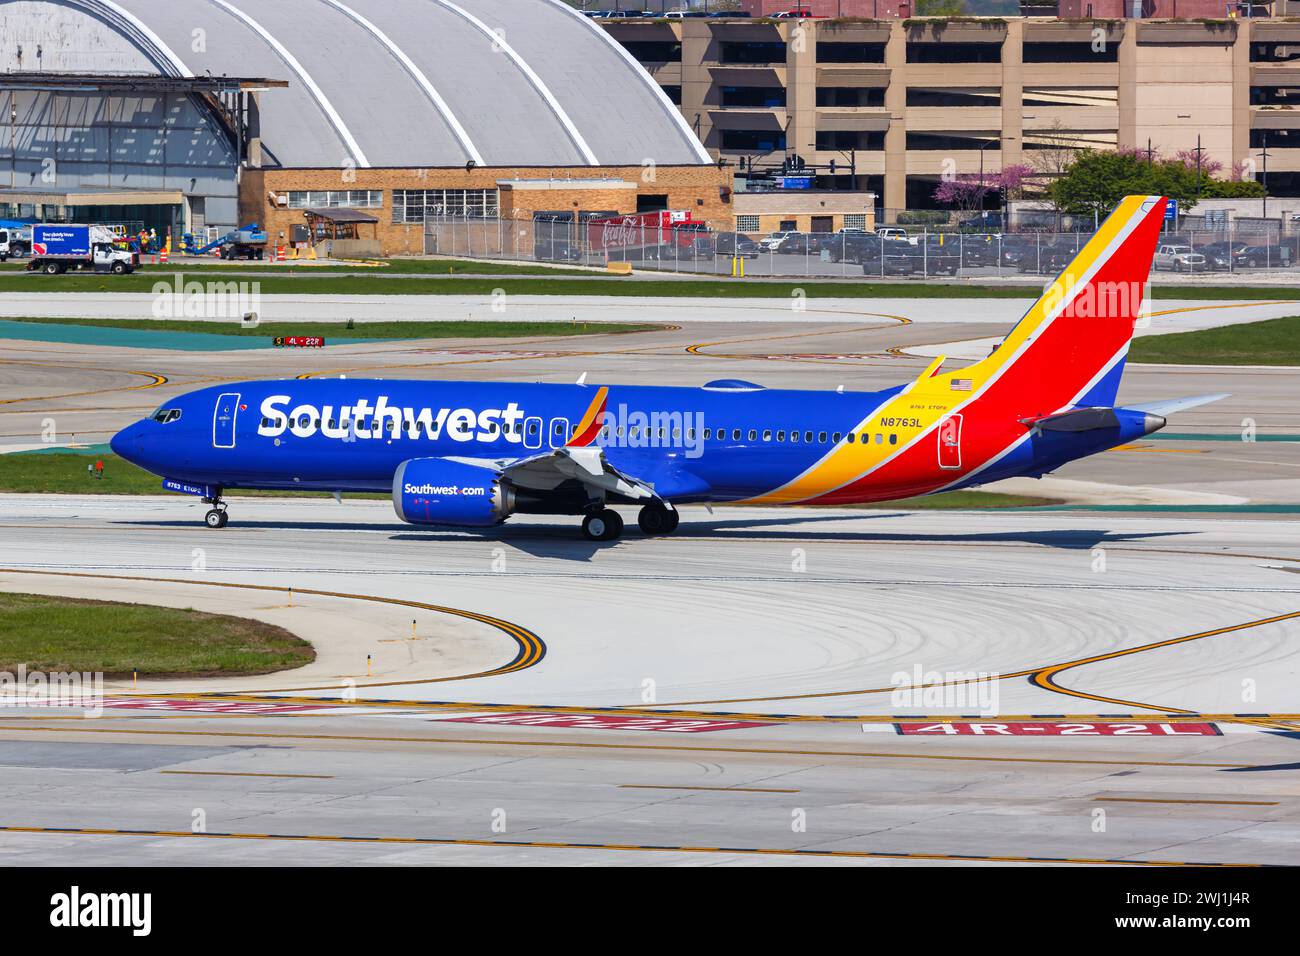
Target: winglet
{"x": 592, "y": 421}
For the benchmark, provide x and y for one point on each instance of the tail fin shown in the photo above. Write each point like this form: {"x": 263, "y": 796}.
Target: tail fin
{"x": 1069, "y": 348}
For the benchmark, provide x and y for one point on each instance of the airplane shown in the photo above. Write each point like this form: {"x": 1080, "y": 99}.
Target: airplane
{"x": 470, "y": 454}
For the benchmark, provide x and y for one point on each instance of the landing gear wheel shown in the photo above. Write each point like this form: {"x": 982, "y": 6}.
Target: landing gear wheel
{"x": 656, "y": 520}
{"x": 216, "y": 519}
{"x": 603, "y": 525}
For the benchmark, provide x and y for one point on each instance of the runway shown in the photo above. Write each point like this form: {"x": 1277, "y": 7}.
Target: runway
{"x": 784, "y": 634}
{"x": 764, "y": 687}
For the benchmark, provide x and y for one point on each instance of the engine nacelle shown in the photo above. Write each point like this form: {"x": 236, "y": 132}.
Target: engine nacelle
{"x": 437, "y": 491}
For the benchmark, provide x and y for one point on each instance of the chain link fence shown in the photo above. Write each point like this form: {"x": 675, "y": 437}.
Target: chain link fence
{"x": 1189, "y": 247}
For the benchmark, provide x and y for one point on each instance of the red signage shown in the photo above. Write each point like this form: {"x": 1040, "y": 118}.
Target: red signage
{"x": 677, "y": 725}
{"x": 299, "y": 341}
{"x": 1057, "y": 729}
{"x": 640, "y": 230}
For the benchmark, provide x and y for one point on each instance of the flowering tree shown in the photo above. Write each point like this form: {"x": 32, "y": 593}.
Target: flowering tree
{"x": 1209, "y": 167}
{"x": 967, "y": 191}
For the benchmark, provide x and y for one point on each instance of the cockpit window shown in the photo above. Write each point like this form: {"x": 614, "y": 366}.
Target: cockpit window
{"x": 166, "y": 415}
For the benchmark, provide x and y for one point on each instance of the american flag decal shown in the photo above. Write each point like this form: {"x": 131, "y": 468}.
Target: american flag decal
{"x": 960, "y": 384}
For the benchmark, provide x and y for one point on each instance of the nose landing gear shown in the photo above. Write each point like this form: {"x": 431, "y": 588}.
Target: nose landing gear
{"x": 217, "y": 516}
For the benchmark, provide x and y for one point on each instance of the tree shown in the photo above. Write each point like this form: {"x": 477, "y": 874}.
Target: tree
{"x": 1055, "y": 149}
{"x": 967, "y": 191}
{"x": 1096, "y": 181}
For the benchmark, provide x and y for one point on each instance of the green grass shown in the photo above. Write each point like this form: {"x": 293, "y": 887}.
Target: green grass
{"x": 318, "y": 281}
{"x": 67, "y": 634}
{"x": 1270, "y": 342}
{"x": 453, "y": 329}
{"x": 64, "y": 473}
{"x": 951, "y": 500}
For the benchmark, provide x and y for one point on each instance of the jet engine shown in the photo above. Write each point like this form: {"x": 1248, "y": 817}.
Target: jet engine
{"x": 442, "y": 492}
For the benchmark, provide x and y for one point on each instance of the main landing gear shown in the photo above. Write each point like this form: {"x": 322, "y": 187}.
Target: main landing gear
{"x": 217, "y": 517}
{"x": 603, "y": 525}
{"x": 606, "y": 524}
{"x": 656, "y": 519}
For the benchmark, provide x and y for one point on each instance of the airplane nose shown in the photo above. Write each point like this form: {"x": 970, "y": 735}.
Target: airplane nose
{"x": 126, "y": 443}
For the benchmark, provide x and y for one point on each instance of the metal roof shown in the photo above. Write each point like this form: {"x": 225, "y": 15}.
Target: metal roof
{"x": 399, "y": 83}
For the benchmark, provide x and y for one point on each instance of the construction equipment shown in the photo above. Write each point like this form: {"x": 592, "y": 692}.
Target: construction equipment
{"x": 247, "y": 242}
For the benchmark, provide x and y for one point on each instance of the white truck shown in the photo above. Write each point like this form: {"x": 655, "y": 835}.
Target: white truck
{"x": 62, "y": 247}
{"x": 15, "y": 242}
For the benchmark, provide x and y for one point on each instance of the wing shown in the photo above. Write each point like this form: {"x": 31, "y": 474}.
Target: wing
{"x": 581, "y": 459}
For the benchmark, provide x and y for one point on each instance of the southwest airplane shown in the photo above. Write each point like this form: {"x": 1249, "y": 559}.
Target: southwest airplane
{"x": 469, "y": 454}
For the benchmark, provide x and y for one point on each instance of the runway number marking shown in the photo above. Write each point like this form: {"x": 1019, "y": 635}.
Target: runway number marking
{"x": 1057, "y": 729}
{"x": 678, "y": 725}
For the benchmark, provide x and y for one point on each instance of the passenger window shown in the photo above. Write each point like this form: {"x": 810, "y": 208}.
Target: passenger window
{"x": 532, "y": 428}
{"x": 807, "y": 436}
{"x": 767, "y": 434}
{"x": 821, "y": 437}
{"x": 893, "y": 439}
{"x": 708, "y": 433}
{"x": 880, "y": 439}
{"x": 780, "y": 436}
{"x": 753, "y": 434}
{"x": 794, "y": 437}
{"x": 836, "y": 437}
{"x": 851, "y": 437}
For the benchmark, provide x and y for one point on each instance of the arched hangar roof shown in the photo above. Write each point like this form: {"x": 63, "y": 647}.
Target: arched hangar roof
{"x": 400, "y": 83}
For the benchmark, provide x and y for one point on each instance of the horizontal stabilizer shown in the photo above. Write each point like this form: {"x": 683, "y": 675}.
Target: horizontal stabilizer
{"x": 1171, "y": 405}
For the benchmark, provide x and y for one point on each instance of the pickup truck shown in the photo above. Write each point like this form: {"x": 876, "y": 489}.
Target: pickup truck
{"x": 58, "y": 248}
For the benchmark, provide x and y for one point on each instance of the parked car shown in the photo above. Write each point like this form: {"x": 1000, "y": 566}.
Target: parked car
{"x": 891, "y": 232}
{"x": 853, "y": 247}
{"x": 772, "y": 241}
{"x": 988, "y": 221}
{"x": 1219, "y": 255}
{"x": 1177, "y": 257}
{"x": 979, "y": 250}
{"x": 794, "y": 243}
{"x": 1260, "y": 257}
{"x": 735, "y": 244}
{"x": 1048, "y": 258}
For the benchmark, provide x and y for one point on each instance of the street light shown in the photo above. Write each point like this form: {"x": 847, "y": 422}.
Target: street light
{"x": 992, "y": 142}
{"x": 1263, "y": 139}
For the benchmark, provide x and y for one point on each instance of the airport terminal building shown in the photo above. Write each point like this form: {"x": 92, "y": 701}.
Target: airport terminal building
{"x": 356, "y": 120}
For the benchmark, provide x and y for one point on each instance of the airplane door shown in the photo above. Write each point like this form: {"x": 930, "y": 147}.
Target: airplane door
{"x": 950, "y": 442}
{"x": 532, "y": 433}
{"x": 558, "y": 432}
{"x": 223, "y": 420}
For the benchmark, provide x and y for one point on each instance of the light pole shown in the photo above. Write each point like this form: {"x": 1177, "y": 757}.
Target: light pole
{"x": 1263, "y": 139}
{"x": 991, "y": 142}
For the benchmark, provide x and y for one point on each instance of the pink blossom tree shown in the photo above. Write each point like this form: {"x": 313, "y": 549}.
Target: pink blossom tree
{"x": 967, "y": 191}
